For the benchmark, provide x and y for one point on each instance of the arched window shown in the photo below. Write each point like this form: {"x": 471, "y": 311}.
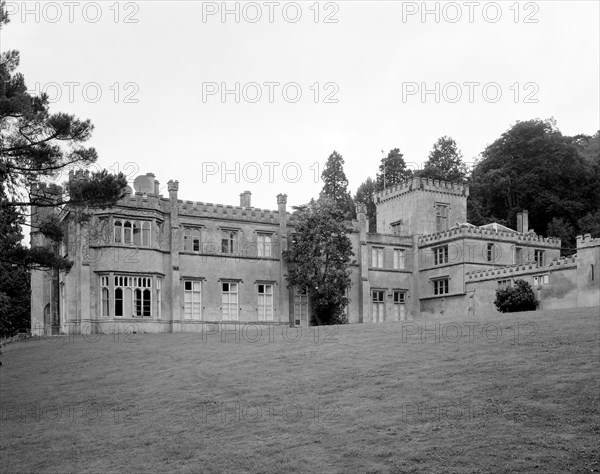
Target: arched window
{"x": 105, "y": 302}
{"x": 146, "y": 302}
{"x": 137, "y": 233}
{"x": 137, "y": 301}
{"x": 146, "y": 234}
{"x": 118, "y": 302}
{"x": 118, "y": 232}
{"x": 127, "y": 232}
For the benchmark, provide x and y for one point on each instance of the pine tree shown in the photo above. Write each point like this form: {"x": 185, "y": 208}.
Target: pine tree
{"x": 392, "y": 170}
{"x": 335, "y": 184}
{"x": 445, "y": 162}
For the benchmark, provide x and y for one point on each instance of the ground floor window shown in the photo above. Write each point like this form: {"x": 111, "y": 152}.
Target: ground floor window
{"x": 378, "y": 305}
{"x": 300, "y": 306}
{"x": 540, "y": 280}
{"x": 132, "y": 296}
{"x": 399, "y": 305}
{"x": 265, "y": 302}
{"x": 105, "y": 295}
{"x": 229, "y": 301}
{"x": 192, "y": 299}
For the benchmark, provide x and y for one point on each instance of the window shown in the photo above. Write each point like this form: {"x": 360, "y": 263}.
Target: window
{"x": 265, "y": 302}
{"x": 378, "y": 305}
{"x": 105, "y": 301}
{"x": 145, "y": 234}
{"x": 441, "y": 217}
{"x": 300, "y": 306}
{"x": 191, "y": 240}
{"x": 504, "y": 283}
{"x": 440, "y": 286}
{"x": 538, "y": 256}
{"x": 133, "y": 296}
{"x": 377, "y": 257}
{"x": 229, "y": 301}
{"x": 396, "y": 227}
{"x": 264, "y": 245}
{"x": 440, "y": 255}
{"x": 159, "y": 298}
{"x": 192, "y": 299}
{"x": 132, "y": 232}
{"x": 518, "y": 255}
{"x": 399, "y": 305}
{"x": 118, "y": 232}
{"x": 491, "y": 253}
{"x": 592, "y": 271}
{"x": 228, "y": 241}
{"x": 540, "y": 279}
{"x": 398, "y": 259}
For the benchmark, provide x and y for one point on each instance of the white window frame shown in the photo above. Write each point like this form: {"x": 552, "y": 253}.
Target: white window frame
{"x": 266, "y": 307}
{"x": 232, "y": 297}
{"x": 264, "y": 244}
{"x": 440, "y": 255}
{"x": 192, "y": 300}
{"x": 541, "y": 279}
{"x": 441, "y": 286}
{"x": 377, "y": 260}
{"x": 399, "y": 259}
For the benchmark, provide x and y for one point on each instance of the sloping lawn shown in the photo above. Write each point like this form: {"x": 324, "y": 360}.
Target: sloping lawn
{"x": 518, "y": 394}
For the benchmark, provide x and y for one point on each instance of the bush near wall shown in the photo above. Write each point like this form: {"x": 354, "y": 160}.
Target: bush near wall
{"x": 518, "y": 297}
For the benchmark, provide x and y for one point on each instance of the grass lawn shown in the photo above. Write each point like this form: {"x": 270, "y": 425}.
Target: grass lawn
{"x": 515, "y": 394}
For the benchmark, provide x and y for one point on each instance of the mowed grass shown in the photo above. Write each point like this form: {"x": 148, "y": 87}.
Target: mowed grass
{"x": 382, "y": 398}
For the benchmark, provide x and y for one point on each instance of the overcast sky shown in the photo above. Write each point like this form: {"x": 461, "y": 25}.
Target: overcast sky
{"x": 150, "y": 76}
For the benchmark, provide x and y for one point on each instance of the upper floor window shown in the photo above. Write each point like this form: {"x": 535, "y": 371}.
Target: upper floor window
{"x": 538, "y": 256}
{"x": 440, "y": 255}
{"x": 491, "y": 252}
{"x": 398, "y": 259}
{"x": 396, "y": 227}
{"x": 132, "y": 232}
{"x": 191, "y": 239}
{"x": 518, "y": 255}
{"x": 441, "y": 217}
{"x": 228, "y": 241}
{"x": 440, "y": 286}
{"x": 264, "y": 245}
{"x": 504, "y": 283}
{"x": 377, "y": 257}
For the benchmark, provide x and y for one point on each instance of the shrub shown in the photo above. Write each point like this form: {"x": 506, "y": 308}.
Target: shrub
{"x": 519, "y": 297}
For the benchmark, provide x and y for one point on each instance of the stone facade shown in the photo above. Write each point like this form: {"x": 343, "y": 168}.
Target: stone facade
{"x": 160, "y": 264}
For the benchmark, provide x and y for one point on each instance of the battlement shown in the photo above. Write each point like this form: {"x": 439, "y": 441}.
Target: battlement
{"x": 586, "y": 241}
{"x": 422, "y": 184}
{"x": 519, "y": 270}
{"x": 477, "y": 232}
{"x": 46, "y": 189}
{"x": 210, "y": 210}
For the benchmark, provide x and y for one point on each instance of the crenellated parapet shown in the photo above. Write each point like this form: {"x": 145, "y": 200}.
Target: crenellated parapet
{"x": 514, "y": 271}
{"x": 422, "y": 184}
{"x": 389, "y": 239}
{"x": 478, "y": 232}
{"x": 586, "y": 241}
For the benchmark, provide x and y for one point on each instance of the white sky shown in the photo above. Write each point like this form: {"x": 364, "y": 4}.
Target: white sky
{"x": 370, "y": 55}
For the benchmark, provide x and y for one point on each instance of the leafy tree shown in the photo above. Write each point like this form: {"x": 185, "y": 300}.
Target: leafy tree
{"x": 392, "y": 170}
{"x": 534, "y": 166}
{"x": 561, "y": 228}
{"x": 591, "y": 148}
{"x": 14, "y": 279}
{"x": 445, "y": 162}
{"x": 319, "y": 258}
{"x": 335, "y": 184}
{"x": 519, "y": 297}
{"x": 366, "y": 194}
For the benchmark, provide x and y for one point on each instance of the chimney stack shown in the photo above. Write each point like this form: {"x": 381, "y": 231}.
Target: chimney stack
{"x": 525, "y": 222}
{"x": 245, "y": 199}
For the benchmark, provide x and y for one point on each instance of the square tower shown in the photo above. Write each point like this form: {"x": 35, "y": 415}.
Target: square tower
{"x": 421, "y": 206}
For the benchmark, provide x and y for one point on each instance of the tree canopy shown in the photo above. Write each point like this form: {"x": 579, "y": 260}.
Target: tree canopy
{"x": 445, "y": 162}
{"x": 534, "y": 166}
{"x": 366, "y": 194}
{"x": 319, "y": 258}
{"x": 335, "y": 184}
{"x": 392, "y": 170}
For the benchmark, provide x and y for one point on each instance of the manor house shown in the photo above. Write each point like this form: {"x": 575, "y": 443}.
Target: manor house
{"x": 162, "y": 264}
